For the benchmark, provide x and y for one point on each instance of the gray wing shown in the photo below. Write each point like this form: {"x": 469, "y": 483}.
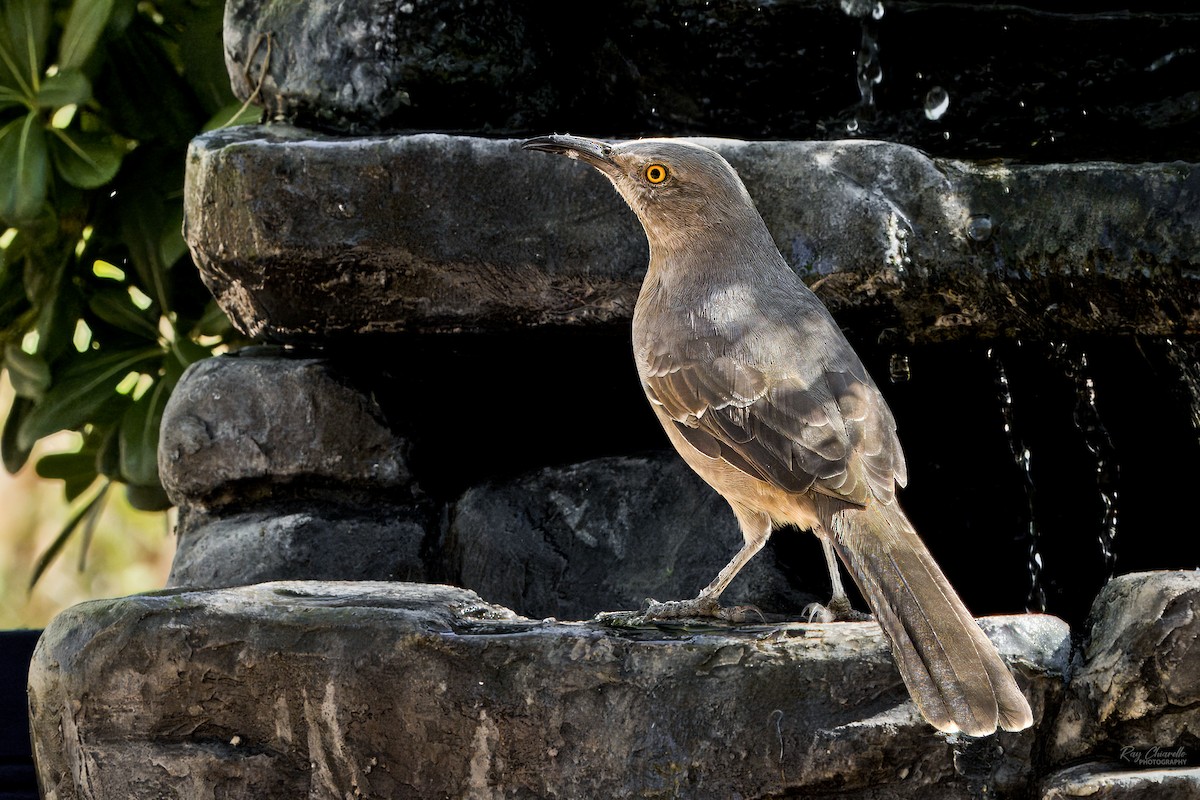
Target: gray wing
{"x": 803, "y": 423}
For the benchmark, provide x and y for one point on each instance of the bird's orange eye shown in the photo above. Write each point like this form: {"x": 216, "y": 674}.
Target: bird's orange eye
{"x": 655, "y": 173}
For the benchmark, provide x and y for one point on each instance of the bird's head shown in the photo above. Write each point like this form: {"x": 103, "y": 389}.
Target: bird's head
{"x": 674, "y": 186}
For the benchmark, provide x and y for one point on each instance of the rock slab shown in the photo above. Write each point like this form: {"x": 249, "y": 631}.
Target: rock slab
{"x": 809, "y": 69}
{"x": 570, "y": 542}
{"x": 307, "y": 689}
{"x": 305, "y": 237}
{"x": 1135, "y": 683}
{"x": 1107, "y": 782}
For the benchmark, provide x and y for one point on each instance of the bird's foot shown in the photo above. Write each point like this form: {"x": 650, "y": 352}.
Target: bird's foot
{"x": 838, "y": 610}
{"x": 696, "y": 608}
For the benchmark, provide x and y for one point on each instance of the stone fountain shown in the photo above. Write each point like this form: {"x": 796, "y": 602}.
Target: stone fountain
{"x": 387, "y": 570}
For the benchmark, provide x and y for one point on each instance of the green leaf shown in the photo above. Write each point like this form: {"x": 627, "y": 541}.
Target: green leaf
{"x": 171, "y": 245}
{"x": 11, "y": 97}
{"x": 88, "y": 514}
{"x": 30, "y": 374}
{"x": 13, "y": 455}
{"x": 23, "y": 169}
{"x": 85, "y": 160}
{"x": 114, "y": 305}
{"x": 234, "y": 114}
{"x": 81, "y": 390}
{"x": 76, "y": 470}
{"x": 186, "y": 353}
{"x": 56, "y": 320}
{"x": 24, "y": 28}
{"x": 214, "y": 322}
{"x": 196, "y": 28}
{"x": 108, "y": 455}
{"x": 83, "y": 29}
{"x": 139, "y": 435}
{"x": 69, "y": 87}
{"x": 147, "y": 498}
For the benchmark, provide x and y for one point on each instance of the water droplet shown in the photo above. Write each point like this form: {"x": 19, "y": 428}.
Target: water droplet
{"x": 979, "y": 228}
{"x": 406, "y": 8}
{"x": 852, "y": 125}
{"x": 898, "y": 368}
{"x": 877, "y": 11}
{"x": 937, "y": 100}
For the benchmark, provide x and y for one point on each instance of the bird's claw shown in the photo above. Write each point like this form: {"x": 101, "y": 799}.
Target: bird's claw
{"x": 838, "y": 610}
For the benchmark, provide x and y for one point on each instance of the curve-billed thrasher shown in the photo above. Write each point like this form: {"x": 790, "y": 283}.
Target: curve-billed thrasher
{"x": 762, "y": 395}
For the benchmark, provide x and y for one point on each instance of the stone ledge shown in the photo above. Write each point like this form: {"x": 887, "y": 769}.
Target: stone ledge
{"x": 308, "y": 237}
{"x": 301, "y": 689}
{"x": 242, "y": 418}
{"x": 1108, "y": 782}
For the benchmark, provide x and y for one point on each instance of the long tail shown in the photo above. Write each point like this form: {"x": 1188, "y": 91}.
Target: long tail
{"x": 949, "y": 665}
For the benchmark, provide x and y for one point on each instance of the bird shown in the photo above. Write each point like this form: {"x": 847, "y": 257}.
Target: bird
{"x": 763, "y": 396}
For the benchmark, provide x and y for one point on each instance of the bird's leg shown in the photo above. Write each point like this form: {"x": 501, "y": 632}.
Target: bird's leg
{"x": 756, "y": 529}
{"x": 838, "y": 608}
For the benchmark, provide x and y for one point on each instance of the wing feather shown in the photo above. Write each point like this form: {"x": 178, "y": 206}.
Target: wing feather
{"x": 828, "y": 428}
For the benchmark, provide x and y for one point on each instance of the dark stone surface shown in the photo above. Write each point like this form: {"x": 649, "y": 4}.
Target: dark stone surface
{"x": 312, "y": 689}
{"x": 305, "y": 237}
{"x": 1040, "y": 80}
{"x": 605, "y": 535}
{"x": 304, "y": 541}
{"x": 1136, "y": 681}
{"x": 244, "y": 424}
{"x": 1109, "y": 782}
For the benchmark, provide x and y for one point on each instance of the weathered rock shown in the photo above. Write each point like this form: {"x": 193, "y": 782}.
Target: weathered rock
{"x": 1135, "y": 684}
{"x": 401, "y": 690}
{"x": 1108, "y": 782}
{"x": 303, "y": 541}
{"x": 795, "y": 70}
{"x": 604, "y": 535}
{"x": 238, "y": 422}
{"x": 302, "y": 236}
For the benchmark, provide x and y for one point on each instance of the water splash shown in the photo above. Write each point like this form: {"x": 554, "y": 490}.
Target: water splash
{"x": 937, "y": 100}
{"x": 1086, "y": 415}
{"x": 1036, "y": 599}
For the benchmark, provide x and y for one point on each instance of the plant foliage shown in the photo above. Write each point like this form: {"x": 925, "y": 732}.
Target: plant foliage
{"x": 101, "y": 309}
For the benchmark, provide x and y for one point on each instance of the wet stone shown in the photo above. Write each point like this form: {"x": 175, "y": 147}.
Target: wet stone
{"x": 604, "y": 535}
{"x": 754, "y": 70}
{"x": 305, "y": 237}
{"x": 303, "y": 541}
{"x": 268, "y": 420}
{"x": 311, "y": 689}
{"x": 1135, "y": 684}
{"x": 1105, "y": 781}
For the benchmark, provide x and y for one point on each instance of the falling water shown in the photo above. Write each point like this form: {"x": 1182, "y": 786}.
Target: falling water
{"x": 1185, "y": 357}
{"x": 1095, "y": 437}
{"x": 869, "y": 70}
{"x": 1036, "y": 600}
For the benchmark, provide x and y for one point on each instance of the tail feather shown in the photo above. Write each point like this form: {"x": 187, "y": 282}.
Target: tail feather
{"x": 949, "y": 665}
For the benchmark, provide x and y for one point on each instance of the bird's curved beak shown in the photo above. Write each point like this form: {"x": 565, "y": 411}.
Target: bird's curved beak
{"x": 593, "y": 151}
